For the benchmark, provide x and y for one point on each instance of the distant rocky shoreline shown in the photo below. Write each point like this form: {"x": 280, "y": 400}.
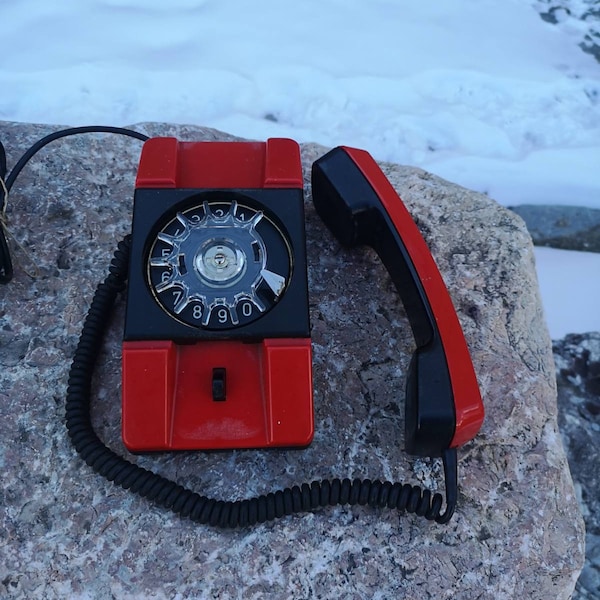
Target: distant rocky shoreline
{"x": 565, "y": 227}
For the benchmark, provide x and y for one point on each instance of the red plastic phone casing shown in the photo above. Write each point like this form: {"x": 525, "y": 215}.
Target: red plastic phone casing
{"x": 167, "y": 394}
{"x": 168, "y": 401}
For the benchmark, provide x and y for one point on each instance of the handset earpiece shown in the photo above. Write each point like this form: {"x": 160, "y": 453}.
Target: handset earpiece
{"x": 359, "y": 205}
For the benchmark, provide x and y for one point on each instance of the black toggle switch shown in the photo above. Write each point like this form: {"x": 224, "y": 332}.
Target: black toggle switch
{"x": 219, "y": 386}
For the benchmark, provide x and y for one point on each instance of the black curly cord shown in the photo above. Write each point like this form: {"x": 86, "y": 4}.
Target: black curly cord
{"x": 187, "y": 503}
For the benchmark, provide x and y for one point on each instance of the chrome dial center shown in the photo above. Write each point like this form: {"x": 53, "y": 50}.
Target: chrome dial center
{"x": 220, "y": 262}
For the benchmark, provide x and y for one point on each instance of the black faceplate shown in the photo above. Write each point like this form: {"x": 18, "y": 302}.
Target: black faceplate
{"x": 153, "y": 208}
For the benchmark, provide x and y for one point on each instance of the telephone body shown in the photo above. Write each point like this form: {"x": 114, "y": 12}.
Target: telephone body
{"x": 216, "y": 350}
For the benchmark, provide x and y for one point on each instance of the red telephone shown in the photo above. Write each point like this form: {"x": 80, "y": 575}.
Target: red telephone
{"x": 216, "y": 350}
{"x": 217, "y": 298}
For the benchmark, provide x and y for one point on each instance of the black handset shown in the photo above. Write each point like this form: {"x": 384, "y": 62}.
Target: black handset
{"x": 359, "y": 205}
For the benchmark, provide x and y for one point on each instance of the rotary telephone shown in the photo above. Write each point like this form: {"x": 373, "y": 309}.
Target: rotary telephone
{"x": 216, "y": 351}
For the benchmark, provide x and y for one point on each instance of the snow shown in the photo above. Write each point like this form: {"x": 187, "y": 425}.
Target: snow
{"x": 482, "y": 92}
{"x": 569, "y": 312}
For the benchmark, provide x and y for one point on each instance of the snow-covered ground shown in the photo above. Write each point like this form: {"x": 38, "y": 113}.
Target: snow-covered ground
{"x": 482, "y": 92}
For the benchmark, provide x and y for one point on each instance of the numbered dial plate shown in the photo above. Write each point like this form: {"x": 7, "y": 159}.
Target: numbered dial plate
{"x": 219, "y": 265}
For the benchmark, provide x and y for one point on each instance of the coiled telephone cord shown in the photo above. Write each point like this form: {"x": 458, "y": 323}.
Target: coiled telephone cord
{"x": 185, "y": 502}
{"x": 162, "y": 491}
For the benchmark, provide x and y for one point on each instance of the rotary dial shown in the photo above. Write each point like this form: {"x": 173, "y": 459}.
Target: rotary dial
{"x": 219, "y": 265}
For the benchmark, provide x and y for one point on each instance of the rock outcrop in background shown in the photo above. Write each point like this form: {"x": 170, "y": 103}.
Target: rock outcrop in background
{"x": 566, "y": 227}
{"x": 581, "y": 18}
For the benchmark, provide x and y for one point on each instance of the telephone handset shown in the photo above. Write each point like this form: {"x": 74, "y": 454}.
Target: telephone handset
{"x": 359, "y": 205}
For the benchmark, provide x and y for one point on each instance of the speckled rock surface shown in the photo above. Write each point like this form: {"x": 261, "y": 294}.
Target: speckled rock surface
{"x": 66, "y": 532}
